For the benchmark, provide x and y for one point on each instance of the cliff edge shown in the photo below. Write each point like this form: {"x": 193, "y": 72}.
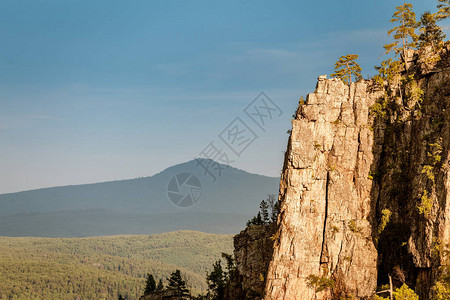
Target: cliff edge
{"x": 365, "y": 187}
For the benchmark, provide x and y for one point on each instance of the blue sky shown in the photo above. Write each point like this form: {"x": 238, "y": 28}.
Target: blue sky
{"x": 101, "y": 90}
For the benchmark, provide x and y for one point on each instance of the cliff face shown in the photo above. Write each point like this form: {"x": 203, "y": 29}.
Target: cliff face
{"x": 253, "y": 248}
{"x": 365, "y": 192}
{"x": 325, "y": 197}
{"x": 412, "y": 179}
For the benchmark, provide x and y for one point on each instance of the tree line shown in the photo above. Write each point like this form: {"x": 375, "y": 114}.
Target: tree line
{"x": 405, "y": 38}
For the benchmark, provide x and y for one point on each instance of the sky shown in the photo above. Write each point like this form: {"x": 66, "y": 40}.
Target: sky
{"x": 93, "y": 91}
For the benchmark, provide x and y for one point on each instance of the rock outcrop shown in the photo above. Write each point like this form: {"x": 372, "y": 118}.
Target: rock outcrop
{"x": 365, "y": 187}
{"x": 325, "y": 197}
{"x": 253, "y": 248}
{"x": 412, "y": 177}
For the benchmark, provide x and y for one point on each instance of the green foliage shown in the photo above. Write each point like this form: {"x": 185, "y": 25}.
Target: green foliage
{"x": 384, "y": 289}
{"x": 256, "y": 220}
{"x": 428, "y": 171}
{"x": 353, "y": 227}
{"x": 401, "y": 293}
{"x": 177, "y": 284}
{"x": 441, "y": 289}
{"x": 425, "y": 205}
{"x": 301, "y": 101}
{"x": 405, "y": 16}
{"x": 216, "y": 281}
{"x": 437, "y": 247}
{"x": 319, "y": 283}
{"x": 385, "y": 216}
{"x": 334, "y": 229}
{"x": 274, "y": 207}
{"x": 378, "y": 109}
{"x": 345, "y": 67}
{"x": 231, "y": 264}
{"x": 268, "y": 212}
{"x": 150, "y": 284}
{"x": 405, "y": 293}
{"x": 414, "y": 93}
{"x": 436, "y": 151}
{"x": 264, "y": 208}
{"x": 390, "y": 70}
{"x": 444, "y": 10}
{"x": 103, "y": 267}
{"x": 431, "y": 34}
{"x": 160, "y": 285}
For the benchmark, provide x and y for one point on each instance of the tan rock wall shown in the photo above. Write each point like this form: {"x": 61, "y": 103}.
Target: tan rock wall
{"x": 325, "y": 197}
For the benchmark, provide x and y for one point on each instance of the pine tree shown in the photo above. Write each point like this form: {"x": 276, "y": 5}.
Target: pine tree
{"x": 431, "y": 34}
{"x": 444, "y": 10}
{"x": 264, "y": 207}
{"x": 216, "y": 281}
{"x": 177, "y": 284}
{"x": 274, "y": 207}
{"x": 345, "y": 67}
{"x": 160, "y": 286}
{"x": 150, "y": 284}
{"x": 231, "y": 267}
{"x": 256, "y": 220}
{"x": 406, "y": 29}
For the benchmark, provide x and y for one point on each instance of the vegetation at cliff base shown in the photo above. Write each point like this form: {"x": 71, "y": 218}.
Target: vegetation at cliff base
{"x": 150, "y": 284}
{"x": 177, "y": 285}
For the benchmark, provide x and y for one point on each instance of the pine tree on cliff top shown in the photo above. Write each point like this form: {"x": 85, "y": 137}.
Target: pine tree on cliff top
{"x": 431, "y": 33}
{"x": 406, "y": 18}
{"x": 345, "y": 67}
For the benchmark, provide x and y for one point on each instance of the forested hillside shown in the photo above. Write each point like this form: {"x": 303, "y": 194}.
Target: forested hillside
{"x": 104, "y": 267}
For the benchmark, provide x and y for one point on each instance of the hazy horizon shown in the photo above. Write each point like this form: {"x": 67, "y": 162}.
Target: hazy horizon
{"x": 124, "y": 179}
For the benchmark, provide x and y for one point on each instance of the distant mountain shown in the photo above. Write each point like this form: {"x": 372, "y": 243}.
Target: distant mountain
{"x": 140, "y": 206}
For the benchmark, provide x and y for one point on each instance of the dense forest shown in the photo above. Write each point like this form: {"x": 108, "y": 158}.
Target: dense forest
{"x": 104, "y": 267}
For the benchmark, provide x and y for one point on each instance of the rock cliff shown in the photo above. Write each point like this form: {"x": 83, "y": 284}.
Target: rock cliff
{"x": 365, "y": 187}
{"x": 253, "y": 248}
{"x": 325, "y": 195}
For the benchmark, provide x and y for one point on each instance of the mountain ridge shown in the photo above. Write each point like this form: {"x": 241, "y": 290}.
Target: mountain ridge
{"x": 135, "y": 178}
{"x": 142, "y": 202}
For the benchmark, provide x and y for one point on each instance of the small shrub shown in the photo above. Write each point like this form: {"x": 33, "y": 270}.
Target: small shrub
{"x": 319, "y": 283}
{"x": 413, "y": 92}
{"x": 437, "y": 247}
{"x": 385, "y": 216}
{"x": 275, "y": 236}
{"x": 301, "y": 101}
{"x": 428, "y": 171}
{"x": 334, "y": 229}
{"x": 426, "y": 204}
{"x": 353, "y": 228}
{"x": 405, "y": 293}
